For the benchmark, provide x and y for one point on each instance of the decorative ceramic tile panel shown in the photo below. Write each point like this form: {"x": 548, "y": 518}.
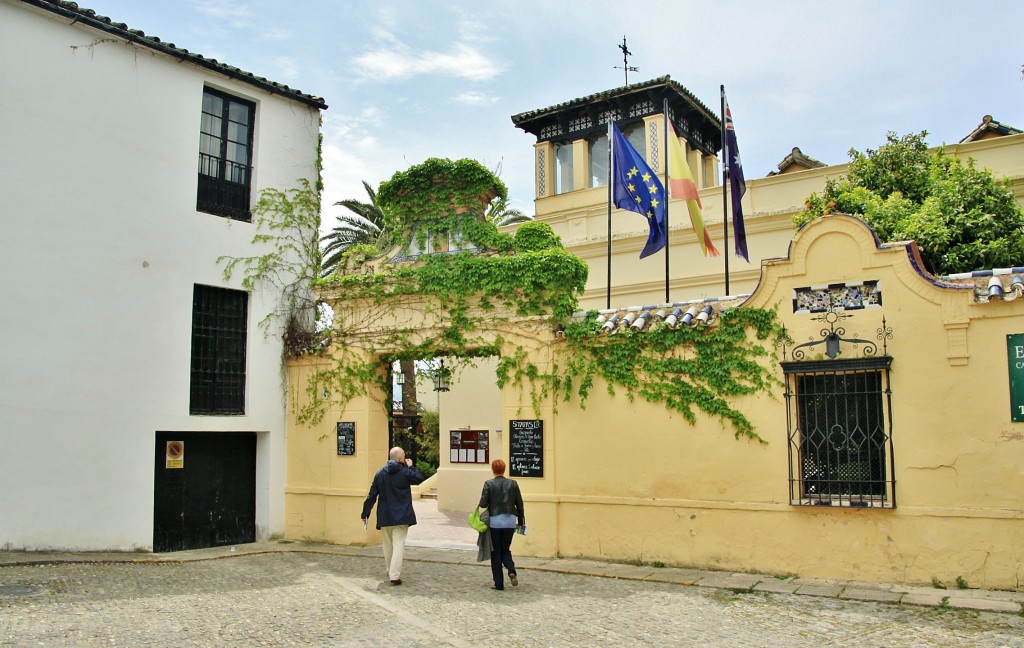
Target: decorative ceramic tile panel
{"x": 541, "y": 176}
{"x": 654, "y": 132}
{"x": 843, "y": 296}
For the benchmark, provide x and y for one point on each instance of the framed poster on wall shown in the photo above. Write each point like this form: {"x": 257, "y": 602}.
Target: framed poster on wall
{"x": 470, "y": 446}
{"x": 346, "y": 438}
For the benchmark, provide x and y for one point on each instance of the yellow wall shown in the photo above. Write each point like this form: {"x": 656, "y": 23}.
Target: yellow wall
{"x": 325, "y": 492}
{"x": 631, "y": 481}
{"x": 637, "y": 483}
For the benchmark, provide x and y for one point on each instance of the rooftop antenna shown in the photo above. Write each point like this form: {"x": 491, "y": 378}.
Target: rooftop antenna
{"x": 625, "y": 61}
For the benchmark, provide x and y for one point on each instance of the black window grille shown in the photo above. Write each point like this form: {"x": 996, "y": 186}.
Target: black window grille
{"x": 840, "y": 443}
{"x": 219, "y": 323}
{"x": 225, "y": 155}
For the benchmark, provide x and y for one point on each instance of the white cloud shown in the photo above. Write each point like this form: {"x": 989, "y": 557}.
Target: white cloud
{"x": 275, "y": 33}
{"x": 232, "y": 13}
{"x": 402, "y": 62}
{"x": 286, "y": 68}
{"x": 473, "y": 98}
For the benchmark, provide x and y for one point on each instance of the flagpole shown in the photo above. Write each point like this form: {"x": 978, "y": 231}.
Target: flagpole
{"x": 665, "y": 157}
{"x": 725, "y": 196}
{"x": 608, "y": 300}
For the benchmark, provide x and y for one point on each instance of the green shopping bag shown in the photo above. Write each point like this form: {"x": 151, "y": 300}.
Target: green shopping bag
{"x": 474, "y": 521}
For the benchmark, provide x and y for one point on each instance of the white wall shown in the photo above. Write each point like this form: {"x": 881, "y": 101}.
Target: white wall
{"x": 100, "y": 249}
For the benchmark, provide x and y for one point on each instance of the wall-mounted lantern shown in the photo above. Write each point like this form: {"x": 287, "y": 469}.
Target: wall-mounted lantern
{"x": 442, "y": 378}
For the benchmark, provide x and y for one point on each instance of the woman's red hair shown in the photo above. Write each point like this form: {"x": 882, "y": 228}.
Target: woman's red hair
{"x": 498, "y": 467}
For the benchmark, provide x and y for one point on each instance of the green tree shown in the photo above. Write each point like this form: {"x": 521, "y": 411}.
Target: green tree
{"x": 962, "y": 217}
{"x": 365, "y": 225}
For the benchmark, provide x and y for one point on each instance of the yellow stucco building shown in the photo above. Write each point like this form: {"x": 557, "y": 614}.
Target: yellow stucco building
{"x": 893, "y": 445}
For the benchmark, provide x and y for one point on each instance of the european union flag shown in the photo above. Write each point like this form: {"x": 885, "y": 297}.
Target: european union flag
{"x": 637, "y": 188}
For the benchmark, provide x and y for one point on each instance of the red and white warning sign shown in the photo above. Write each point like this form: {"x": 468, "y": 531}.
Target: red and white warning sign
{"x": 175, "y": 454}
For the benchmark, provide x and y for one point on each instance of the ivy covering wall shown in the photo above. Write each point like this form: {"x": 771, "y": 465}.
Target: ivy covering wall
{"x": 462, "y": 304}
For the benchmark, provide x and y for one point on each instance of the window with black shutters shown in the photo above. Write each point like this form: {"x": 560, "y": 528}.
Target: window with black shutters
{"x": 219, "y": 321}
{"x": 225, "y": 155}
{"x": 840, "y": 442}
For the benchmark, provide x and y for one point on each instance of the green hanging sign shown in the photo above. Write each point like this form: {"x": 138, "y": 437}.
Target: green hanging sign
{"x": 1015, "y": 358}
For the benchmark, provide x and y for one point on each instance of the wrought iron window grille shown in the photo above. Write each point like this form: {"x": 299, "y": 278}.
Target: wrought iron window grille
{"x": 219, "y": 337}
{"x": 839, "y": 421}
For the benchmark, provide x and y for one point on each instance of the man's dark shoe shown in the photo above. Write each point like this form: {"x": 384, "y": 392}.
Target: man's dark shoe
{"x": 396, "y": 581}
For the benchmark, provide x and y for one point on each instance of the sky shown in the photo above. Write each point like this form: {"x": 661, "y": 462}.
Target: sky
{"x": 407, "y": 80}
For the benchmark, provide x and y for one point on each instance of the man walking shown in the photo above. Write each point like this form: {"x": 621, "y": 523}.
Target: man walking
{"x": 391, "y": 485}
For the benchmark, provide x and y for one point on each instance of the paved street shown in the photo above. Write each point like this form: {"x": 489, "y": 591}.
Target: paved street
{"x": 279, "y": 593}
{"x": 303, "y": 596}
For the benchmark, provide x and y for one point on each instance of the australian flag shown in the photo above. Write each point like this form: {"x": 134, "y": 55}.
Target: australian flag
{"x": 737, "y": 184}
{"x": 637, "y": 188}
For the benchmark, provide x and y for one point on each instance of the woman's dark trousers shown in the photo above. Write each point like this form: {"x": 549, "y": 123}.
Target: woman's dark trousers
{"x": 501, "y": 541}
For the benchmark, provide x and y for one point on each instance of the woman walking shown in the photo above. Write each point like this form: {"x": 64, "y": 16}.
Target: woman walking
{"x": 504, "y": 503}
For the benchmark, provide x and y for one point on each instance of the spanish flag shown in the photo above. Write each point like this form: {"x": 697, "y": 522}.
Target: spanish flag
{"x": 681, "y": 186}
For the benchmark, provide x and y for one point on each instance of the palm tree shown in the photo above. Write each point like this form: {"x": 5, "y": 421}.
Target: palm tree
{"x": 364, "y": 225}
{"x": 500, "y": 214}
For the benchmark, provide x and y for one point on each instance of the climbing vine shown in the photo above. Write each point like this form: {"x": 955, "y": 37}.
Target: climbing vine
{"x": 459, "y": 303}
{"x": 462, "y": 300}
{"x": 286, "y": 223}
{"x": 683, "y": 369}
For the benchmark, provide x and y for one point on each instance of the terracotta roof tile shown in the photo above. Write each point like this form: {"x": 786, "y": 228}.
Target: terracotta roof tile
{"x": 797, "y": 158}
{"x": 999, "y": 284}
{"x": 989, "y": 126}
{"x": 700, "y": 312}
{"x": 633, "y": 87}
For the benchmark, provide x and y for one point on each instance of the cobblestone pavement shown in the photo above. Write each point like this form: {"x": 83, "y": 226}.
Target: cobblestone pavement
{"x": 303, "y": 595}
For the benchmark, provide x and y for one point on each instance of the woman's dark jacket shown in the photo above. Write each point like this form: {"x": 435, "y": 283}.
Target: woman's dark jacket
{"x": 391, "y": 484}
{"x": 500, "y": 496}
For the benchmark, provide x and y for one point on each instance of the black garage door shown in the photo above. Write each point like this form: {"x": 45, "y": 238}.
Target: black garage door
{"x": 205, "y": 490}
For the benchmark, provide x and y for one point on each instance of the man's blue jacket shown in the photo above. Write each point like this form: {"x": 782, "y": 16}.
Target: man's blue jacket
{"x": 391, "y": 486}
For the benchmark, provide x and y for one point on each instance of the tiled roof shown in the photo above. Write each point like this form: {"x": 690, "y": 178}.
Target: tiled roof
{"x": 578, "y": 118}
{"x": 89, "y": 17}
{"x": 633, "y": 87}
{"x": 987, "y": 126}
{"x": 1000, "y": 284}
{"x": 700, "y": 312}
{"x": 797, "y": 157}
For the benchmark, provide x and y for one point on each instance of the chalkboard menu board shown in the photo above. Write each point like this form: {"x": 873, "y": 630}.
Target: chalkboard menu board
{"x": 526, "y": 448}
{"x": 346, "y": 438}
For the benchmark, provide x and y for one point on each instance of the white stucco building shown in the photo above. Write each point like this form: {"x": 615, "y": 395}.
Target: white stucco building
{"x": 121, "y": 336}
